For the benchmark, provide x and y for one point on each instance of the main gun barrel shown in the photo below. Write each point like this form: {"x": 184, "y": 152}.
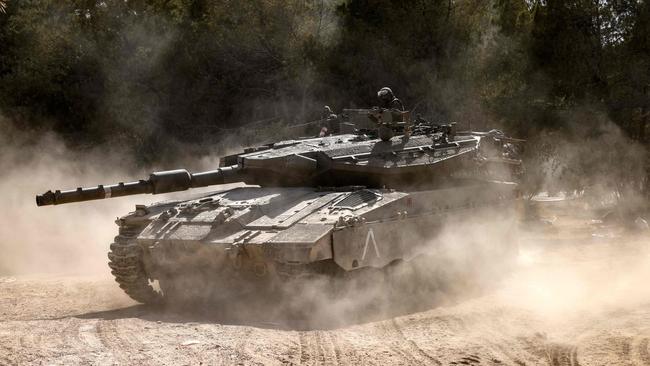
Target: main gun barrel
{"x": 158, "y": 182}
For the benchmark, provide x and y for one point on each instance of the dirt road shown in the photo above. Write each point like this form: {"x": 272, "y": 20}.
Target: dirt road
{"x": 574, "y": 301}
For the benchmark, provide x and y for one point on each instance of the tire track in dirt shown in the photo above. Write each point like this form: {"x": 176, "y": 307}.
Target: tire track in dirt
{"x": 323, "y": 348}
{"x": 326, "y": 347}
{"x": 611, "y": 346}
{"x": 403, "y": 347}
{"x": 558, "y": 354}
{"x": 67, "y": 341}
{"x": 643, "y": 352}
{"x": 15, "y": 341}
{"x": 634, "y": 349}
{"x": 89, "y": 334}
{"x": 335, "y": 347}
{"x": 615, "y": 337}
{"x": 413, "y": 347}
{"x": 499, "y": 347}
{"x": 305, "y": 350}
{"x": 29, "y": 340}
{"x": 508, "y": 352}
{"x": 106, "y": 333}
{"x": 484, "y": 340}
{"x": 120, "y": 340}
{"x": 4, "y": 355}
{"x": 312, "y": 351}
{"x": 322, "y": 356}
{"x": 242, "y": 343}
{"x": 330, "y": 348}
{"x": 549, "y": 352}
{"x": 494, "y": 352}
{"x": 387, "y": 333}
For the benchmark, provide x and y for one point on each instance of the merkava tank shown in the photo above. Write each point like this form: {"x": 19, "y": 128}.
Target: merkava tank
{"x": 377, "y": 192}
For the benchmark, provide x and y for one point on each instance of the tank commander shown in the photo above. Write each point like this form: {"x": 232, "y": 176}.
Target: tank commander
{"x": 388, "y": 100}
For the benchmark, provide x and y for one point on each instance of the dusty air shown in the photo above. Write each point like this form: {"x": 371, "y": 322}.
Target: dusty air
{"x": 336, "y": 182}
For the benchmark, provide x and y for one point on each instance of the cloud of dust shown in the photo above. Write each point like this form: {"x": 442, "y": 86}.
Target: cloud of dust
{"x": 590, "y": 153}
{"x": 581, "y": 266}
{"x": 69, "y": 239}
{"x": 580, "y": 276}
{"x": 65, "y": 239}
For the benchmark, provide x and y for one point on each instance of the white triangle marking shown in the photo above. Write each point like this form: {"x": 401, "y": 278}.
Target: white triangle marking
{"x": 370, "y": 236}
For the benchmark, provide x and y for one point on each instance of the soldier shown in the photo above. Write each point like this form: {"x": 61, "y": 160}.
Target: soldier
{"x": 331, "y": 122}
{"x": 328, "y": 114}
{"x": 388, "y": 100}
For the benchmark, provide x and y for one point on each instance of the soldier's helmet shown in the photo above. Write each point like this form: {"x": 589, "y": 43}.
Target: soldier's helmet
{"x": 385, "y": 94}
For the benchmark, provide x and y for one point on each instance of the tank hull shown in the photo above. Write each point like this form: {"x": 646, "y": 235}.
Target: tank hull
{"x": 253, "y": 237}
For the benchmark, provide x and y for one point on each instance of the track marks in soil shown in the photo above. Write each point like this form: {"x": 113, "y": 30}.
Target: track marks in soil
{"x": 561, "y": 355}
{"x": 5, "y": 351}
{"x": 90, "y": 335}
{"x": 241, "y": 346}
{"x": 644, "y": 353}
{"x": 548, "y": 352}
{"x": 118, "y": 341}
{"x": 467, "y": 360}
{"x": 327, "y": 348}
{"x": 412, "y": 346}
{"x": 317, "y": 348}
{"x": 632, "y": 348}
{"x": 408, "y": 350}
{"x": 397, "y": 346}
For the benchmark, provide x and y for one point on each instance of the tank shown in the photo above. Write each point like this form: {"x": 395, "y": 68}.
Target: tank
{"x": 379, "y": 191}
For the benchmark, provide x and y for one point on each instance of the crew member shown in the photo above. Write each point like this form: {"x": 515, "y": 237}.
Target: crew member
{"x": 388, "y": 100}
{"x": 330, "y": 122}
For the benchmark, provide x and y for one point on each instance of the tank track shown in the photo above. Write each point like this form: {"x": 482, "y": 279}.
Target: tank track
{"x": 125, "y": 261}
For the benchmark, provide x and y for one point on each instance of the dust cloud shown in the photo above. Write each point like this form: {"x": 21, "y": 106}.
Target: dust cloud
{"x": 55, "y": 239}
{"x": 581, "y": 254}
{"x": 65, "y": 239}
{"x": 580, "y": 277}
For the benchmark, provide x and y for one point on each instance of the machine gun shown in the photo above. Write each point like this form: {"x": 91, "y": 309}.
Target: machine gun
{"x": 386, "y": 123}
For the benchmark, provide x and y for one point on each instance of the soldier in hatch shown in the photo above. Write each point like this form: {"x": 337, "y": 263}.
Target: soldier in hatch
{"x": 388, "y": 100}
{"x": 330, "y": 122}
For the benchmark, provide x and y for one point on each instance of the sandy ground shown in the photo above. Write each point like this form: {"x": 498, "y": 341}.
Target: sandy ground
{"x": 577, "y": 297}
